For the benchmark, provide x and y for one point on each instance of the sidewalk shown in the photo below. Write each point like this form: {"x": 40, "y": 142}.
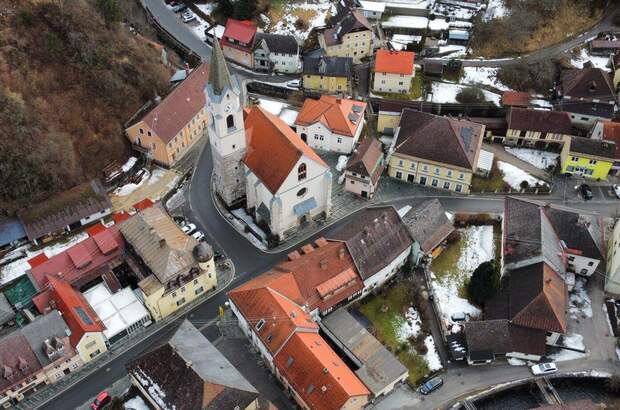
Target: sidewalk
{"x": 501, "y": 155}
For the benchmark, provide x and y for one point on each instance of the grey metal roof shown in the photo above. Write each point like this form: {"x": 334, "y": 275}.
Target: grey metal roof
{"x": 219, "y": 76}
{"x": 43, "y": 328}
{"x": 597, "y": 148}
{"x": 11, "y": 229}
{"x": 428, "y": 224}
{"x": 379, "y": 367}
{"x": 277, "y": 43}
{"x": 334, "y": 66}
{"x": 6, "y": 311}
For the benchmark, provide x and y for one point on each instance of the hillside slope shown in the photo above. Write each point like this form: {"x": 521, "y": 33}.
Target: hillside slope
{"x": 68, "y": 82}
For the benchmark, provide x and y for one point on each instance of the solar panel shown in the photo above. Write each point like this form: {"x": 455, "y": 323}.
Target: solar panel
{"x": 467, "y": 134}
{"x": 357, "y": 108}
{"x": 82, "y": 314}
{"x": 353, "y": 117}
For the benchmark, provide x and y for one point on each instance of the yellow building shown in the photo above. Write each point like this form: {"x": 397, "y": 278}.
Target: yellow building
{"x": 536, "y": 128}
{"x": 331, "y": 75}
{"x": 394, "y": 71}
{"x": 588, "y": 158}
{"x": 351, "y": 37}
{"x": 175, "y": 124}
{"x": 435, "y": 151}
{"x": 182, "y": 269}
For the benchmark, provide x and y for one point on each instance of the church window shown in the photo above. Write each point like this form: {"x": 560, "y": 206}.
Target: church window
{"x": 301, "y": 172}
{"x": 301, "y": 192}
{"x": 230, "y": 121}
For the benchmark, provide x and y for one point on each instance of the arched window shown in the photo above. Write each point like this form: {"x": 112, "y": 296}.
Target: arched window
{"x": 230, "y": 121}
{"x": 301, "y": 172}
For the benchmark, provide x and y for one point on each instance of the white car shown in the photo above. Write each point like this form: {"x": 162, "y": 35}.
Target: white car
{"x": 189, "y": 228}
{"x": 294, "y": 83}
{"x": 188, "y": 16}
{"x": 199, "y": 236}
{"x": 616, "y": 190}
{"x": 544, "y": 368}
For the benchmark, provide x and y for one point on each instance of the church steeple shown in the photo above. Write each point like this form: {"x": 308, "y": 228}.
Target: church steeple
{"x": 219, "y": 76}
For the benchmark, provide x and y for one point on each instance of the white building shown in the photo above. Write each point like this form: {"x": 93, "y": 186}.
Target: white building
{"x": 276, "y": 53}
{"x": 372, "y": 10}
{"x": 331, "y": 123}
{"x": 612, "y": 279}
{"x": 122, "y": 313}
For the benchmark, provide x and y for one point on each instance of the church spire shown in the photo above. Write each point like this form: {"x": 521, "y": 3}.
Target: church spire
{"x": 219, "y": 76}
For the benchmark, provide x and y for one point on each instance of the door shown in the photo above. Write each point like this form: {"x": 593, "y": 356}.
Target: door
{"x": 422, "y": 180}
{"x": 364, "y": 194}
{"x": 410, "y": 178}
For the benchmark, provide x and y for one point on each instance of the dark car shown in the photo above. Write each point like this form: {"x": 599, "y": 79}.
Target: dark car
{"x": 431, "y": 385}
{"x": 586, "y": 192}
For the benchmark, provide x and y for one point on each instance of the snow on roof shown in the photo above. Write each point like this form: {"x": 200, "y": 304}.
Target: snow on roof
{"x": 400, "y": 41}
{"x": 485, "y": 160}
{"x": 288, "y": 116}
{"x": 411, "y": 4}
{"x": 438, "y": 25}
{"x": 117, "y": 311}
{"x": 412, "y": 22}
{"x": 373, "y": 6}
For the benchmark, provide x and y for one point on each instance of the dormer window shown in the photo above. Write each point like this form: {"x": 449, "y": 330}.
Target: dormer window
{"x": 301, "y": 172}
{"x": 260, "y": 324}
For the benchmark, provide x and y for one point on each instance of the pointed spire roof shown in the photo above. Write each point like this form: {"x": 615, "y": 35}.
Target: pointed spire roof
{"x": 219, "y": 76}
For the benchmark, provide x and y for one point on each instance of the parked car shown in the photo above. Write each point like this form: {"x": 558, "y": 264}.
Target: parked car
{"x": 458, "y": 317}
{"x": 431, "y": 385}
{"x": 616, "y": 190}
{"x": 178, "y": 8}
{"x": 199, "y": 236}
{"x": 294, "y": 83}
{"x": 189, "y": 228}
{"x": 101, "y": 400}
{"x": 188, "y": 16}
{"x": 585, "y": 191}
{"x": 544, "y": 368}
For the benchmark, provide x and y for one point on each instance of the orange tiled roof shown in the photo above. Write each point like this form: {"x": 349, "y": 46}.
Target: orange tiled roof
{"x": 611, "y": 132}
{"x": 333, "y": 113}
{"x": 516, "y": 98}
{"x": 317, "y": 374}
{"x": 395, "y": 62}
{"x": 176, "y": 110}
{"x": 273, "y": 148}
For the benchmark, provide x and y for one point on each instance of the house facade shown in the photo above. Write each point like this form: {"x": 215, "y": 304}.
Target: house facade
{"x": 588, "y": 158}
{"x": 351, "y": 36}
{"x": 331, "y": 75}
{"x": 448, "y": 163}
{"x": 429, "y": 227}
{"x": 330, "y": 123}
{"x": 364, "y": 168}
{"x": 394, "y": 71}
{"x": 276, "y": 53}
{"x": 536, "y": 128}
{"x": 609, "y": 131}
{"x": 612, "y": 278}
{"x": 181, "y": 270}
{"x": 238, "y": 41}
{"x": 172, "y": 127}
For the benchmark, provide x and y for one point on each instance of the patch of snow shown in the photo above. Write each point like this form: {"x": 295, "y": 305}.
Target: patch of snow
{"x": 516, "y": 362}
{"x": 400, "y": 41}
{"x": 342, "y": 163}
{"x": 136, "y": 404}
{"x": 565, "y": 355}
{"x": 409, "y": 326}
{"x": 446, "y": 93}
{"x": 272, "y": 106}
{"x": 341, "y": 178}
{"x": 387, "y": 141}
{"x": 479, "y": 248}
{"x": 482, "y": 76}
{"x": 409, "y": 22}
{"x": 584, "y": 56}
{"x": 574, "y": 341}
{"x": 540, "y": 159}
{"x": 513, "y": 176}
{"x": 287, "y": 23}
{"x": 199, "y": 25}
{"x": 289, "y": 116}
{"x": 129, "y": 164}
{"x": 156, "y": 175}
{"x": 452, "y": 50}
{"x": 495, "y": 10}
{"x": 541, "y": 104}
{"x": 432, "y": 357}
{"x": 580, "y": 303}
{"x": 176, "y": 200}
{"x": 403, "y": 211}
{"x": 127, "y": 189}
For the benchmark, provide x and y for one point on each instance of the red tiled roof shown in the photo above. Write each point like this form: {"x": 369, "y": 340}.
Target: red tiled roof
{"x": 333, "y": 113}
{"x": 317, "y": 374}
{"x": 72, "y": 263}
{"x": 142, "y": 205}
{"x": 240, "y": 30}
{"x": 76, "y": 311}
{"x": 516, "y": 99}
{"x": 178, "y": 108}
{"x": 119, "y": 217}
{"x": 37, "y": 260}
{"x": 395, "y": 62}
{"x": 95, "y": 229}
{"x": 273, "y": 148}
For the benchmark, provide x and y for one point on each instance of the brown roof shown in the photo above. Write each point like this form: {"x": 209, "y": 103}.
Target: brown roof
{"x": 368, "y": 159}
{"x": 352, "y": 21}
{"x": 440, "y": 139}
{"x": 540, "y": 121}
{"x": 499, "y": 336}
{"x": 375, "y": 238}
{"x": 178, "y": 108}
{"x": 340, "y": 115}
{"x": 592, "y": 147}
{"x": 585, "y": 404}
{"x": 317, "y": 374}
{"x": 589, "y": 83}
{"x": 515, "y": 98}
{"x": 273, "y": 148}
{"x": 605, "y": 44}
{"x": 17, "y": 360}
{"x": 64, "y": 209}
{"x": 428, "y": 224}
{"x": 611, "y": 132}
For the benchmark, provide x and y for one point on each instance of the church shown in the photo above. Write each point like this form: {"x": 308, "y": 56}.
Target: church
{"x": 259, "y": 161}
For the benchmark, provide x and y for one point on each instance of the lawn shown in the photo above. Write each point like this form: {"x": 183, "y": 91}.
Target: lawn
{"x": 494, "y": 182}
{"x": 392, "y": 327}
{"x": 415, "y": 92}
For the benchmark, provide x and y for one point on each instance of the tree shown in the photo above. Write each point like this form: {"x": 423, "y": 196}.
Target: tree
{"x": 225, "y": 8}
{"x": 484, "y": 283}
{"x": 110, "y": 10}
{"x": 539, "y": 77}
{"x": 245, "y": 9}
{"x": 471, "y": 95}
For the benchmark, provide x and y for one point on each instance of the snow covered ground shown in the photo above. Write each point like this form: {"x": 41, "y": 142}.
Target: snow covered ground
{"x": 495, "y": 9}
{"x": 598, "y": 62}
{"x": 342, "y": 163}
{"x": 580, "y": 304}
{"x": 454, "y": 50}
{"x": 540, "y": 159}
{"x": 513, "y": 176}
{"x": 136, "y": 403}
{"x": 482, "y": 76}
{"x": 409, "y": 326}
{"x": 432, "y": 357}
{"x": 516, "y": 362}
{"x": 319, "y": 10}
{"x": 19, "y": 267}
{"x": 446, "y": 93}
{"x": 477, "y": 246}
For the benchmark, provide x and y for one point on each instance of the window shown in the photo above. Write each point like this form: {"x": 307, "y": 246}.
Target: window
{"x": 230, "y": 121}
{"x": 446, "y": 185}
{"x": 260, "y": 324}
{"x": 399, "y": 175}
{"x": 425, "y": 168}
{"x": 400, "y": 162}
{"x": 183, "y": 289}
{"x": 458, "y": 188}
{"x": 149, "y": 133}
{"x": 449, "y": 172}
{"x": 436, "y": 171}
{"x": 141, "y": 131}
{"x": 199, "y": 290}
{"x": 575, "y": 159}
{"x": 301, "y": 192}
{"x": 195, "y": 281}
{"x": 95, "y": 353}
{"x": 422, "y": 180}
{"x": 592, "y": 162}
{"x": 412, "y": 166}
{"x": 180, "y": 301}
{"x": 90, "y": 344}
{"x": 590, "y": 263}
{"x": 461, "y": 175}
{"x": 153, "y": 145}
{"x": 174, "y": 294}
{"x": 301, "y": 172}
{"x": 339, "y": 140}
{"x": 434, "y": 182}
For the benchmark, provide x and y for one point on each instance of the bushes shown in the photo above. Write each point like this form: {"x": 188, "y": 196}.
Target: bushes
{"x": 484, "y": 283}
{"x": 537, "y": 77}
{"x": 471, "y": 95}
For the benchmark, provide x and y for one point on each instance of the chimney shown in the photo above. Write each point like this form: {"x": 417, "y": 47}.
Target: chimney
{"x": 341, "y": 253}
{"x": 186, "y": 68}
{"x": 162, "y": 242}
{"x": 189, "y": 364}
{"x": 323, "y": 264}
